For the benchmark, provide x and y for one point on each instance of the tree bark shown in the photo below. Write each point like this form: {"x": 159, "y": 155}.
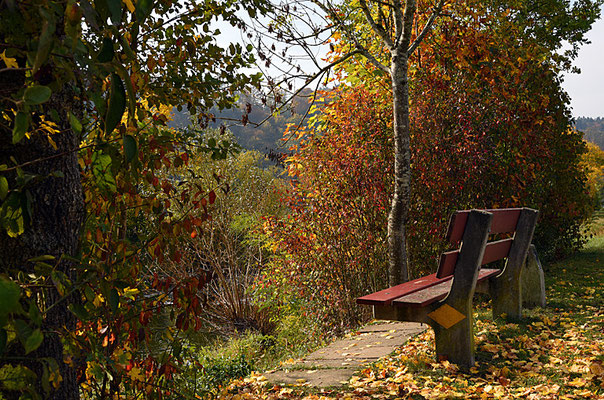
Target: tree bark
{"x": 399, "y": 209}
{"x": 57, "y": 217}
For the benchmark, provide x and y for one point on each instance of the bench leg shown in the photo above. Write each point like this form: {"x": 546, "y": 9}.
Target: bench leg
{"x": 506, "y": 289}
{"x": 452, "y": 318}
{"x": 455, "y": 344}
{"x": 533, "y": 281}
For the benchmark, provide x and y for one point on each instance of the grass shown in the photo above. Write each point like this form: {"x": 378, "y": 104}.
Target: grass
{"x": 555, "y": 352}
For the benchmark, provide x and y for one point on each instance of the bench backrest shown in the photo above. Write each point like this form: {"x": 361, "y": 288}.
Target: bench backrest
{"x": 504, "y": 221}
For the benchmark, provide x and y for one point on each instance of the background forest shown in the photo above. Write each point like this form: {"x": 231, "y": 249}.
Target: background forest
{"x": 157, "y": 240}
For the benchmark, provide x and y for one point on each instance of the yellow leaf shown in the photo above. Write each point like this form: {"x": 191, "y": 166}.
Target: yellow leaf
{"x": 130, "y": 292}
{"x": 130, "y": 6}
{"x": 597, "y": 368}
{"x": 136, "y": 374}
{"x": 9, "y": 61}
{"x": 52, "y": 142}
{"x": 577, "y": 382}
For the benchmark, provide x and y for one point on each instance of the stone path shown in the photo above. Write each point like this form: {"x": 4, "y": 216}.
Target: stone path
{"x": 334, "y": 365}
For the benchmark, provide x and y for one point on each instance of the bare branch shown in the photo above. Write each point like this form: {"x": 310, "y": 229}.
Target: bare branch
{"x": 312, "y": 79}
{"x": 435, "y": 13}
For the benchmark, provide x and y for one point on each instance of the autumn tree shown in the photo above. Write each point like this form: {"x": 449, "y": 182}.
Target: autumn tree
{"x": 490, "y": 128}
{"x": 394, "y": 26}
{"x": 81, "y": 84}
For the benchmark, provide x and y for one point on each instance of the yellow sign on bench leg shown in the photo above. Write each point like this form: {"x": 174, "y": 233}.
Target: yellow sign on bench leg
{"x": 446, "y": 316}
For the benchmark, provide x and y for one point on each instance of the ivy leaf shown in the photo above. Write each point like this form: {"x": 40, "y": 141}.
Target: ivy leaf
{"x": 130, "y": 147}
{"x": 37, "y": 95}
{"x": 117, "y": 104}
{"x": 33, "y": 341}
{"x": 107, "y": 51}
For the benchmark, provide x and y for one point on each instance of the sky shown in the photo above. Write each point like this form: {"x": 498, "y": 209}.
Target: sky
{"x": 586, "y": 89}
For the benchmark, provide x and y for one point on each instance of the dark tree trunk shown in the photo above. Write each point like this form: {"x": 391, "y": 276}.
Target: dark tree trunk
{"x": 57, "y": 217}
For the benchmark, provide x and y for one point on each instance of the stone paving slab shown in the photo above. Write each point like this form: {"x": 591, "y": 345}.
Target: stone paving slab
{"x": 335, "y": 364}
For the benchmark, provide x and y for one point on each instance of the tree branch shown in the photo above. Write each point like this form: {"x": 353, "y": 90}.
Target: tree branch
{"x": 310, "y": 80}
{"x": 372, "y": 59}
{"x": 398, "y": 22}
{"x": 378, "y": 29}
{"x": 435, "y": 13}
{"x": 402, "y": 41}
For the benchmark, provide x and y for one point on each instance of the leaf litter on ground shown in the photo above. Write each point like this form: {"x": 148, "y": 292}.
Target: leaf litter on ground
{"x": 552, "y": 353}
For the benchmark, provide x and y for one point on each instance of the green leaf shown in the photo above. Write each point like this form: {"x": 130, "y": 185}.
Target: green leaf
{"x": 115, "y": 9}
{"x": 143, "y": 9}
{"x": 130, "y": 147}
{"x": 33, "y": 341}
{"x": 106, "y": 53}
{"x": 34, "y": 313}
{"x": 101, "y": 169}
{"x": 9, "y": 296}
{"x": 114, "y": 299}
{"x": 75, "y": 123}
{"x": 3, "y": 187}
{"x": 20, "y": 128}
{"x": 46, "y": 257}
{"x": 45, "y": 41}
{"x": 79, "y": 311}
{"x": 117, "y": 104}
{"x": 17, "y": 378}
{"x": 36, "y": 95}
{"x": 11, "y": 215}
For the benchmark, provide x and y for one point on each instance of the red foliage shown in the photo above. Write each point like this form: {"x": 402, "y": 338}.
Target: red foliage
{"x": 490, "y": 129}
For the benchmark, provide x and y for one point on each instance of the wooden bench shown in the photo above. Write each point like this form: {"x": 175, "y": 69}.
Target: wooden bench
{"x": 444, "y": 300}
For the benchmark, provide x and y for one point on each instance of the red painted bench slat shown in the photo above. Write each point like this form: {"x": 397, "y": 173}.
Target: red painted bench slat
{"x": 497, "y": 250}
{"x": 436, "y": 292}
{"x": 493, "y": 251}
{"x": 504, "y": 220}
{"x": 385, "y": 297}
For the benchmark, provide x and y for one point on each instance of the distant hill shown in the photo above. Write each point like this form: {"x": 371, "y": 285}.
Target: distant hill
{"x": 593, "y": 129}
{"x": 265, "y": 138}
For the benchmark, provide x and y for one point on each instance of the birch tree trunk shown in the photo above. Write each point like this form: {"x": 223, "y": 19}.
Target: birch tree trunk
{"x": 398, "y": 270}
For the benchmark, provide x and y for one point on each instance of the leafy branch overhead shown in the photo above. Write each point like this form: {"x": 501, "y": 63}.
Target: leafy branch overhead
{"x": 86, "y": 91}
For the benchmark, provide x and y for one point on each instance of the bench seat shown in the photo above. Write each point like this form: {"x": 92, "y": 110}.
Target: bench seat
{"x": 439, "y": 291}
{"x": 386, "y": 296}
